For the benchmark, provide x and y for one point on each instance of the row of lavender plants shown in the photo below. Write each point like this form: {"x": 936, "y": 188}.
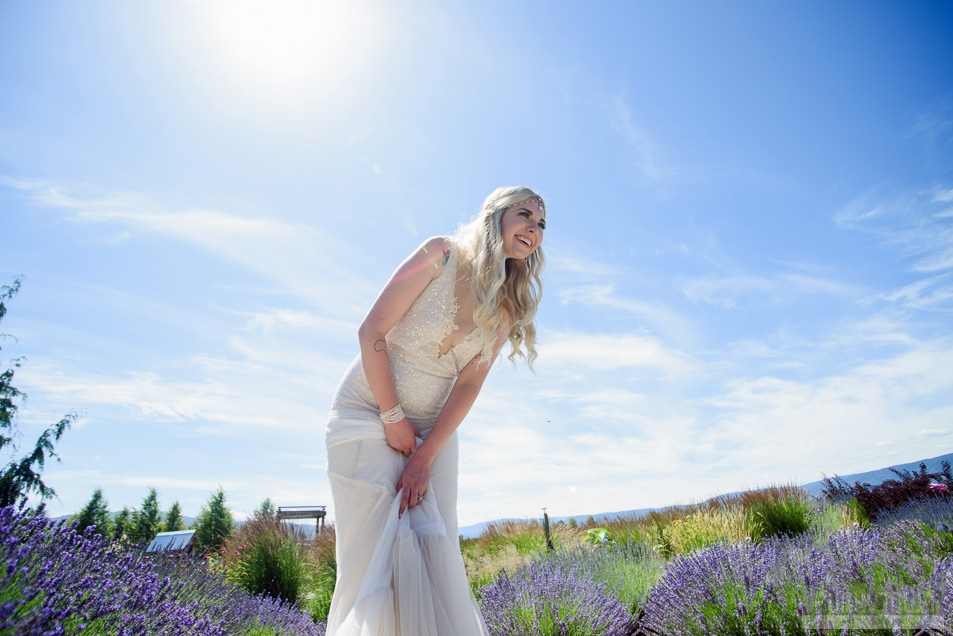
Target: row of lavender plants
{"x": 56, "y": 581}
{"x": 893, "y": 576}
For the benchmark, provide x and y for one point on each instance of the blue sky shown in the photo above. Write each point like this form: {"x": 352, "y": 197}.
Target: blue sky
{"x": 750, "y": 243}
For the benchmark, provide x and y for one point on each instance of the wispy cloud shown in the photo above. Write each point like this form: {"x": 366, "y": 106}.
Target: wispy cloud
{"x": 656, "y": 315}
{"x": 932, "y": 432}
{"x": 263, "y": 380}
{"x": 726, "y": 291}
{"x": 613, "y": 351}
{"x": 914, "y": 223}
{"x": 943, "y": 195}
{"x": 935, "y": 122}
{"x": 646, "y": 152}
{"x": 582, "y": 266}
{"x": 652, "y": 161}
{"x": 278, "y": 318}
{"x": 308, "y": 261}
{"x": 935, "y": 292}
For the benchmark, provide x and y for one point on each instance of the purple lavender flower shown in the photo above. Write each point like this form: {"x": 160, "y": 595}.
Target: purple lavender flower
{"x": 552, "y": 596}
{"x": 878, "y": 579}
{"x": 933, "y": 511}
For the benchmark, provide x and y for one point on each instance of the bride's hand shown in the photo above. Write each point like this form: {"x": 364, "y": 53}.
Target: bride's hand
{"x": 402, "y": 436}
{"x": 413, "y": 482}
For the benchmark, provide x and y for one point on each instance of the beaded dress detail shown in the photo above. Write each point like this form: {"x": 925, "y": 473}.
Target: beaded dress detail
{"x": 401, "y": 576}
{"x": 423, "y": 378}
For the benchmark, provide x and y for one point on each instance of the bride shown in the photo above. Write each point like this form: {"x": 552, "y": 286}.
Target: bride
{"x": 427, "y": 345}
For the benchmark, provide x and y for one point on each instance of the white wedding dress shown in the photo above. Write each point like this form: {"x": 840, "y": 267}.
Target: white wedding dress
{"x": 400, "y": 577}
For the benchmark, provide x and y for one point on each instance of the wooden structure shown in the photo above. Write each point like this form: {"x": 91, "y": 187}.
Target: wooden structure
{"x": 303, "y": 512}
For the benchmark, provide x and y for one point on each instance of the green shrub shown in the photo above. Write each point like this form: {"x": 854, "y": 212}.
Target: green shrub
{"x": 790, "y": 516}
{"x": 274, "y": 565}
{"x": 322, "y": 584}
{"x": 322, "y": 560}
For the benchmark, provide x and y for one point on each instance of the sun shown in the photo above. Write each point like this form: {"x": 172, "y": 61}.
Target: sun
{"x": 289, "y": 46}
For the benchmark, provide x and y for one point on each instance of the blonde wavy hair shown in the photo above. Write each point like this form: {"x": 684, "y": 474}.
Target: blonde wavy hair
{"x": 506, "y": 291}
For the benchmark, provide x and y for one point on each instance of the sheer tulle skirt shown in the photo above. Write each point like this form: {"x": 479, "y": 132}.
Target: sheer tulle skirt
{"x": 396, "y": 576}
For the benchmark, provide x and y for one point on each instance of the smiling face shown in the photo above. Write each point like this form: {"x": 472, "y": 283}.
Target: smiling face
{"x": 522, "y": 228}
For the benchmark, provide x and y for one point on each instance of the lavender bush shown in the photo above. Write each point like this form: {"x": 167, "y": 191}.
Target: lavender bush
{"x": 877, "y": 580}
{"x": 56, "y": 581}
{"x": 936, "y": 512}
{"x": 553, "y": 596}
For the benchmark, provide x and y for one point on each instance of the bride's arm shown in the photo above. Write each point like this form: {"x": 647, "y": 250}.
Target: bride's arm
{"x": 410, "y": 279}
{"x": 416, "y": 476}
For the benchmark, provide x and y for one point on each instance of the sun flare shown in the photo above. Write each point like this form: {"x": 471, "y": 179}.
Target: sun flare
{"x": 290, "y": 45}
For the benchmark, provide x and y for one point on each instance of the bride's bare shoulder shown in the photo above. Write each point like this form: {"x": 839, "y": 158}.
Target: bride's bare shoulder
{"x": 436, "y": 250}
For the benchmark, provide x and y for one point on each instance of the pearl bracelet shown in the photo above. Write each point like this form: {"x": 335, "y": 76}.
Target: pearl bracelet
{"x": 392, "y": 416}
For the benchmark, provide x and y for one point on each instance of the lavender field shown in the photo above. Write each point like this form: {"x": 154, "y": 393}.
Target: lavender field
{"x": 56, "y": 581}
{"x": 764, "y": 562}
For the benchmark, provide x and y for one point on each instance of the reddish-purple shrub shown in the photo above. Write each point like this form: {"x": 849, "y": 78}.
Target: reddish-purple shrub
{"x": 892, "y": 493}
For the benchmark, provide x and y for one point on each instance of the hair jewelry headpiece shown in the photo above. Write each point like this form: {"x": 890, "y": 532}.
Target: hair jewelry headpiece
{"x": 539, "y": 202}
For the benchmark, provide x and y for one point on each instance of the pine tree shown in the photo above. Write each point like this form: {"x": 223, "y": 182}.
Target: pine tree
{"x": 95, "y": 513}
{"x": 147, "y": 521}
{"x": 22, "y": 476}
{"x": 122, "y": 524}
{"x": 173, "y": 519}
{"x": 266, "y": 511}
{"x": 214, "y": 523}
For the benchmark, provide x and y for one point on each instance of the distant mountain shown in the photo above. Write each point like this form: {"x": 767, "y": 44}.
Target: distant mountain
{"x": 813, "y": 488}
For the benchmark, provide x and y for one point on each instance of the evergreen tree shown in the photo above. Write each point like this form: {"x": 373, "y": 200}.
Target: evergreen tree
{"x": 266, "y": 511}
{"x": 22, "y": 476}
{"x": 214, "y": 523}
{"x": 95, "y": 513}
{"x": 121, "y": 524}
{"x": 147, "y": 521}
{"x": 173, "y": 519}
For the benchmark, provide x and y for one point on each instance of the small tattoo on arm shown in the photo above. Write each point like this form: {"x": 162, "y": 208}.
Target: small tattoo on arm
{"x": 446, "y": 256}
{"x": 382, "y": 343}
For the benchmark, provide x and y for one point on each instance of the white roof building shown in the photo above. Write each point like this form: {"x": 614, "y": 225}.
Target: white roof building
{"x": 172, "y": 541}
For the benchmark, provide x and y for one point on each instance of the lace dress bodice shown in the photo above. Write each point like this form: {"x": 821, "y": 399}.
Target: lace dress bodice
{"x": 422, "y": 376}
